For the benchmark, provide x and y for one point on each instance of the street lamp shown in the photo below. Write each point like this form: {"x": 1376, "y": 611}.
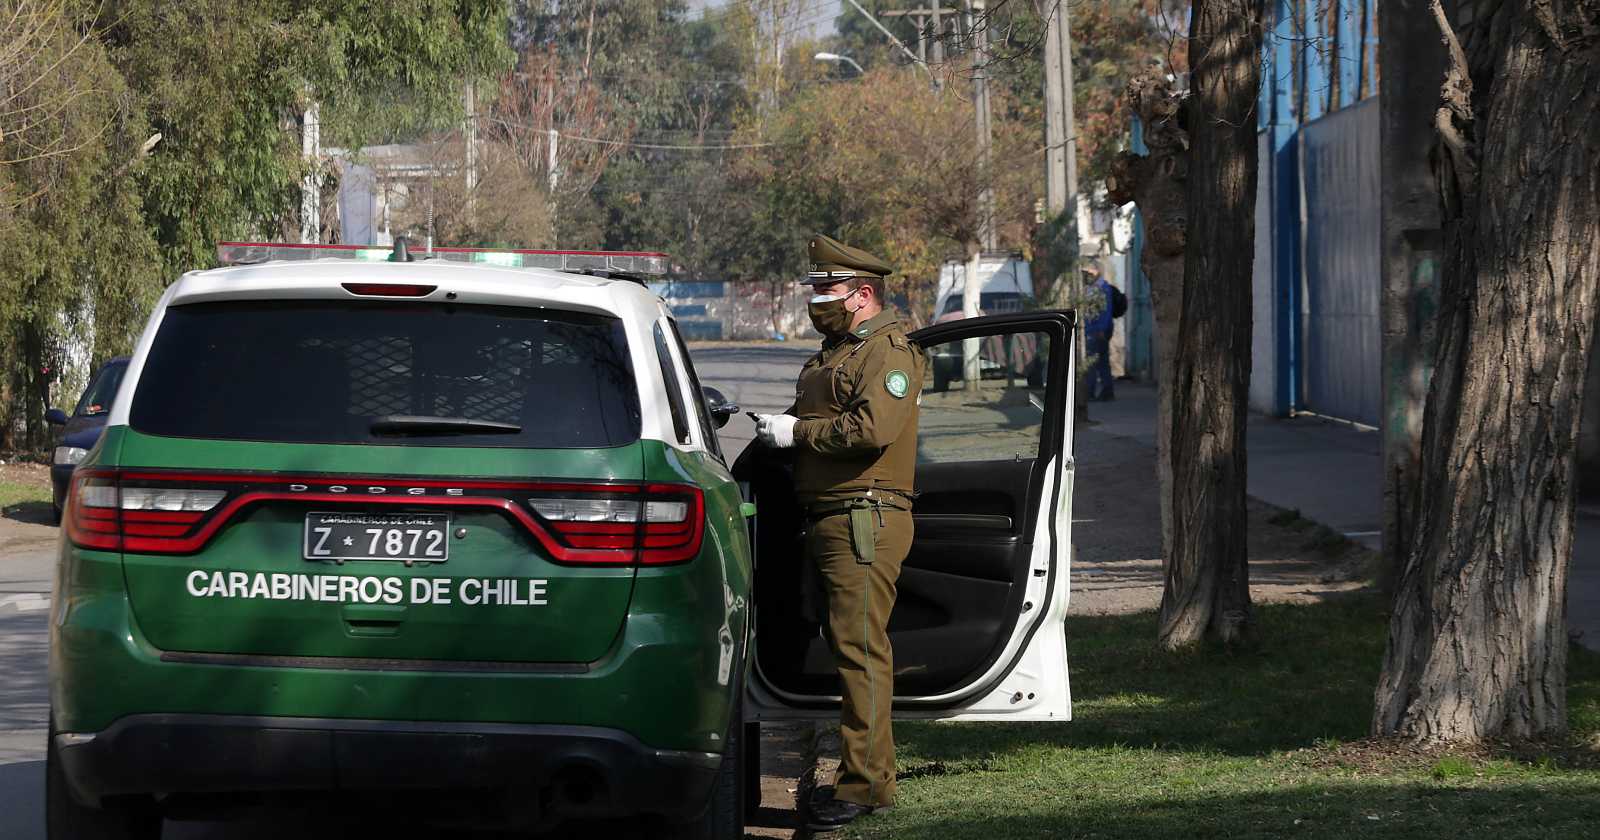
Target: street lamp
{"x": 835, "y": 57}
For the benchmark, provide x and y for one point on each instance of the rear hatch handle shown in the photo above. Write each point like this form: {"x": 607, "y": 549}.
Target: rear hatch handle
{"x": 373, "y": 619}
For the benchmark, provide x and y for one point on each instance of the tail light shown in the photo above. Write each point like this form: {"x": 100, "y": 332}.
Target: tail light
{"x": 657, "y": 524}
{"x": 103, "y": 513}
{"x": 154, "y": 512}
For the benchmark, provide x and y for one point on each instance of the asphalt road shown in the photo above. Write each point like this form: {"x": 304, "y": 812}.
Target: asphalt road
{"x": 758, "y": 377}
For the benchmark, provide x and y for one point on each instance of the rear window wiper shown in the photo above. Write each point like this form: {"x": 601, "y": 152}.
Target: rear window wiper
{"x": 408, "y": 424}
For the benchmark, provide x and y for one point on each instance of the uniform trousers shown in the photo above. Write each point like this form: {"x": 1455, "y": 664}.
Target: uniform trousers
{"x": 860, "y": 598}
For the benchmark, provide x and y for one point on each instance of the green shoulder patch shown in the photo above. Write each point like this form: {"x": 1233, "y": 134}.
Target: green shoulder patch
{"x": 897, "y": 383}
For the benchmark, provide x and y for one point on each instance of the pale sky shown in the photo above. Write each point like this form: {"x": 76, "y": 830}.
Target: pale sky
{"x": 816, "y": 16}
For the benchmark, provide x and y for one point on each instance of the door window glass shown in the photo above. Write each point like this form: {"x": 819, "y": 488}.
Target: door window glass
{"x": 669, "y": 373}
{"x": 708, "y": 429}
{"x": 983, "y": 399}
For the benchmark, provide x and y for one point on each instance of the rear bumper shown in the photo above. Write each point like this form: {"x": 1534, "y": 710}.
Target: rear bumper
{"x": 574, "y": 769}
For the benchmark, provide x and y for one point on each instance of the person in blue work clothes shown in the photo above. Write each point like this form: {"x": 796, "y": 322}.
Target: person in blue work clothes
{"x": 1097, "y": 335}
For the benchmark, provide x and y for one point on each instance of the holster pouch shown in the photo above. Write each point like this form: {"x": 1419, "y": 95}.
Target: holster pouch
{"x": 863, "y": 531}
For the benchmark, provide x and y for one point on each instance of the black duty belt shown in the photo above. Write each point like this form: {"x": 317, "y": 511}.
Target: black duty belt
{"x": 877, "y": 499}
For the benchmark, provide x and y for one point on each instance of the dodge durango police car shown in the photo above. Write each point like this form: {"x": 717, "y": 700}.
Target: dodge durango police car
{"x": 456, "y": 534}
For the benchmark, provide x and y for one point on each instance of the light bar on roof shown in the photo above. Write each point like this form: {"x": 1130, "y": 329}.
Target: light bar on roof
{"x": 628, "y": 262}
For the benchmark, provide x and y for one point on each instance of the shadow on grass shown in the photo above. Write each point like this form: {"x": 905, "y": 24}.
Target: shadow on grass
{"x": 1338, "y": 810}
{"x": 32, "y": 513}
{"x": 1307, "y": 681}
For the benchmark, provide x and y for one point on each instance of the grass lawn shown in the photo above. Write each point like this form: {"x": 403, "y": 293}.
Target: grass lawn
{"x": 17, "y": 492}
{"x": 1260, "y": 744}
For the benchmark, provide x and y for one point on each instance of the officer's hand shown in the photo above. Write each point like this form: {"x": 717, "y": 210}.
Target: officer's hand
{"x": 776, "y": 430}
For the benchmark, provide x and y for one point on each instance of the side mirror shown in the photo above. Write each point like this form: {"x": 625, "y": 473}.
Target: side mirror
{"x": 55, "y": 417}
{"x": 718, "y": 405}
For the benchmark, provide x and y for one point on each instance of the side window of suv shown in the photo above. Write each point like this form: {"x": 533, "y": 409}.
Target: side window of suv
{"x": 669, "y": 374}
{"x": 708, "y": 430}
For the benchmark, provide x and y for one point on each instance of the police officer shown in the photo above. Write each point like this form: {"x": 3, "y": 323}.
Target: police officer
{"x": 854, "y": 428}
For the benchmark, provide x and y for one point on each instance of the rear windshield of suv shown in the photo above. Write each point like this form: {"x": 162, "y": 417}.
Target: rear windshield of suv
{"x": 328, "y": 372}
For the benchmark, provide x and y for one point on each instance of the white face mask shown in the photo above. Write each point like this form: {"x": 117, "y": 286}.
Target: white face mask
{"x": 825, "y": 298}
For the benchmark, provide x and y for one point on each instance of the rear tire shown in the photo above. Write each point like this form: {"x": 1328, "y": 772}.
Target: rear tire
{"x": 66, "y": 819}
{"x": 723, "y": 817}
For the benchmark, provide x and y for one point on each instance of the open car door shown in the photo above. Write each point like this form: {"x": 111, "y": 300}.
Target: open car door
{"x": 978, "y": 627}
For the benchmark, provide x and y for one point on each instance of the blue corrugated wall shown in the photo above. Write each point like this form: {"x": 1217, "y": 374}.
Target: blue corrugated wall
{"x": 1316, "y": 344}
{"x": 1342, "y": 359}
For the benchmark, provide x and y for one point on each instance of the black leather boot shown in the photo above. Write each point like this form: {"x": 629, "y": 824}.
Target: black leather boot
{"x": 832, "y": 814}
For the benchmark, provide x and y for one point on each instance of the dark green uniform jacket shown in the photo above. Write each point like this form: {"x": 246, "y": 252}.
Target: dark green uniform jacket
{"x": 857, "y": 404}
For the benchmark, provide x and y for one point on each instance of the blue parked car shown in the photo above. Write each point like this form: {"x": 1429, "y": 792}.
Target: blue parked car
{"x": 83, "y": 428}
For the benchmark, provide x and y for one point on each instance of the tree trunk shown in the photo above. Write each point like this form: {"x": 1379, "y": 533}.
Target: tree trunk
{"x": 37, "y": 384}
{"x": 1155, "y": 183}
{"x": 1413, "y": 63}
{"x": 1207, "y": 592}
{"x": 1477, "y": 638}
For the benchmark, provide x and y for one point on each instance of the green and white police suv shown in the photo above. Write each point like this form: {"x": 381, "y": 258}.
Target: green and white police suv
{"x": 455, "y": 535}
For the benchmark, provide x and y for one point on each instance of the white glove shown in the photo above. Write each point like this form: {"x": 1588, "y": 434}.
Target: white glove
{"x": 776, "y": 430}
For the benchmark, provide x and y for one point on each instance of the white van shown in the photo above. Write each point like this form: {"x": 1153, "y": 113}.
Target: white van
{"x": 1007, "y": 285}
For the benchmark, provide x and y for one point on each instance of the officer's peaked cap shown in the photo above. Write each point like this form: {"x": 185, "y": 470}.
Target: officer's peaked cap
{"x": 832, "y": 260}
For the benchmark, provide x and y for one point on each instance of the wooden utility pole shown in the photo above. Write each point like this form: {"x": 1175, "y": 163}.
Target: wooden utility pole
{"x": 1061, "y": 169}
{"x": 978, "y": 29}
{"x": 1061, "y": 159}
{"x": 973, "y": 288}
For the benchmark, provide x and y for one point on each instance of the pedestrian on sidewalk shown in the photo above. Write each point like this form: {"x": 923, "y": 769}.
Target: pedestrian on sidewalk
{"x": 1098, "y": 332}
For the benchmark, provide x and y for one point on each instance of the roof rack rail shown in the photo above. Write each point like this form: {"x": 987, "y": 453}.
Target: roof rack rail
{"x": 615, "y": 263}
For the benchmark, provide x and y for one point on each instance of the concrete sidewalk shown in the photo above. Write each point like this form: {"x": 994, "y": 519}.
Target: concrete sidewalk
{"x": 1332, "y": 474}
{"x": 1328, "y": 471}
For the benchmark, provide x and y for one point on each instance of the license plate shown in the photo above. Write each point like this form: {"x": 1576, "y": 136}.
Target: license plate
{"x": 409, "y": 537}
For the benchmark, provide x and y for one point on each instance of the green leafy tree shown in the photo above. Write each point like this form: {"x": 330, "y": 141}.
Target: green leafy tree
{"x": 76, "y": 259}
{"x": 151, "y": 130}
{"x": 224, "y": 81}
{"x": 892, "y": 165}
